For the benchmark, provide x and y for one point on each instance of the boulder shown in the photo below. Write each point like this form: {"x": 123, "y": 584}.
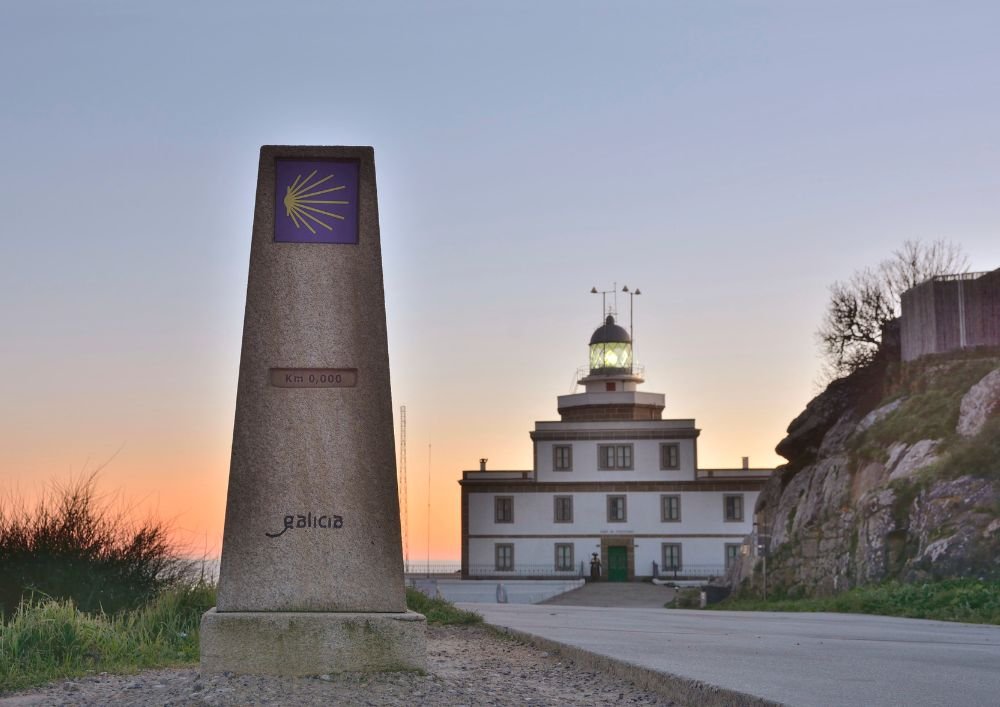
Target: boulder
{"x": 918, "y": 456}
{"x": 879, "y": 414}
{"x": 950, "y": 523}
{"x": 859, "y": 391}
{"x": 978, "y": 404}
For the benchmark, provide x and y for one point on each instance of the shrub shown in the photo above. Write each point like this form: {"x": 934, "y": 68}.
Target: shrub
{"x": 74, "y": 545}
{"x": 969, "y": 600}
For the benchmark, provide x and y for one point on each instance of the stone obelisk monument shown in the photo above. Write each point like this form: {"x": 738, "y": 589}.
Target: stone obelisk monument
{"x": 311, "y": 579}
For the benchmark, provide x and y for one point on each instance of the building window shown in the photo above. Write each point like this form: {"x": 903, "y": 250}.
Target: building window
{"x": 504, "y": 553}
{"x": 614, "y": 456}
{"x": 564, "y": 557}
{"x": 732, "y": 554}
{"x": 563, "y": 509}
{"x": 562, "y": 457}
{"x": 503, "y": 509}
{"x": 670, "y": 456}
{"x": 733, "y": 504}
{"x": 671, "y": 557}
{"x": 670, "y": 508}
{"x": 616, "y": 509}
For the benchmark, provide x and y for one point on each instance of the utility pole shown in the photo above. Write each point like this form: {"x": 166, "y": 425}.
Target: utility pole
{"x": 631, "y": 318}
{"x": 762, "y": 541}
{"x": 428, "y": 510}
{"x": 401, "y": 483}
{"x": 765, "y": 576}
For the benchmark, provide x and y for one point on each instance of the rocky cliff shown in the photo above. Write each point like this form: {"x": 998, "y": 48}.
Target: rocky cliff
{"x": 892, "y": 473}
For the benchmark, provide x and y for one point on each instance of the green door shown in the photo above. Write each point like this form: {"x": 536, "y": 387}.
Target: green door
{"x": 617, "y": 564}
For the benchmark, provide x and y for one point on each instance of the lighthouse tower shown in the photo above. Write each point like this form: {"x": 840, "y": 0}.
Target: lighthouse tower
{"x": 611, "y": 383}
{"x": 614, "y": 491}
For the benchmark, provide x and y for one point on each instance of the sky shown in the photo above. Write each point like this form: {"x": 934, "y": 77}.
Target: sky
{"x": 730, "y": 159}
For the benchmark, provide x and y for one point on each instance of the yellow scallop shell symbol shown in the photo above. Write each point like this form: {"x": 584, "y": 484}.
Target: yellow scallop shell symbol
{"x": 301, "y": 202}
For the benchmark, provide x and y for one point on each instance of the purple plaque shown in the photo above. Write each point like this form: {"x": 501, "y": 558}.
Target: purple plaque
{"x": 316, "y": 201}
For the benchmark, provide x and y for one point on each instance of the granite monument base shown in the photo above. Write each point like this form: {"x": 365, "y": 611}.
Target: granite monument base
{"x": 311, "y": 643}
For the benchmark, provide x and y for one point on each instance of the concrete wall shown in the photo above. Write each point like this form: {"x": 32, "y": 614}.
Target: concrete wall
{"x": 918, "y": 325}
{"x": 984, "y": 311}
{"x": 526, "y": 591}
{"x": 950, "y": 314}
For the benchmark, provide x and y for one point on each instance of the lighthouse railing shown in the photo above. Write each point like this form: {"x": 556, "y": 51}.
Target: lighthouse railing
{"x": 633, "y": 370}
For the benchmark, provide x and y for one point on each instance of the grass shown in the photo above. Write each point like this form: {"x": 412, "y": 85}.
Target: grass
{"x": 932, "y": 393}
{"x": 439, "y": 611}
{"x": 85, "y": 589}
{"x": 975, "y": 456}
{"x": 967, "y": 600}
{"x": 53, "y": 639}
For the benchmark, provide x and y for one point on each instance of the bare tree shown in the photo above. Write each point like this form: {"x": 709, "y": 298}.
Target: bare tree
{"x": 851, "y": 331}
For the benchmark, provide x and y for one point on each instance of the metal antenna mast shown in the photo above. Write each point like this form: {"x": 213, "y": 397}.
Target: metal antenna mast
{"x": 428, "y": 509}
{"x": 631, "y": 318}
{"x": 401, "y": 483}
{"x": 604, "y": 300}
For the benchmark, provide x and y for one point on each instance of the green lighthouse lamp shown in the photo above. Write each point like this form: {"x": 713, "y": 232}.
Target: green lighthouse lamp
{"x": 610, "y": 349}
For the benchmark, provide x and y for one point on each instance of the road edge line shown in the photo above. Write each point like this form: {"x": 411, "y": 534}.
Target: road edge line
{"x": 686, "y": 691}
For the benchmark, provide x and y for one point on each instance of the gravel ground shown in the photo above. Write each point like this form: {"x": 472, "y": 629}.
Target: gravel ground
{"x": 467, "y": 665}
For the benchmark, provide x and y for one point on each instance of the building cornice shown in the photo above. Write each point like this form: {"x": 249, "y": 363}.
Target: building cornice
{"x": 573, "y": 435}
{"x": 616, "y": 534}
{"x": 519, "y": 486}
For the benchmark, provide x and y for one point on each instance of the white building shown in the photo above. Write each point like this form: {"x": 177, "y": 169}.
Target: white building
{"x": 611, "y": 478}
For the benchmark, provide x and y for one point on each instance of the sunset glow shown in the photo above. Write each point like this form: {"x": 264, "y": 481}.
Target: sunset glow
{"x": 732, "y": 161}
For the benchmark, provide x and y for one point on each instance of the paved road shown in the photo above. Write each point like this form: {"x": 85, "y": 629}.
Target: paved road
{"x": 797, "y": 659}
{"x": 624, "y": 594}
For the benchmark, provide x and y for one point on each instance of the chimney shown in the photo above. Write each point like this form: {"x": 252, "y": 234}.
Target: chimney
{"x": 746, "y": 462}
{"x": 482, "y": 464}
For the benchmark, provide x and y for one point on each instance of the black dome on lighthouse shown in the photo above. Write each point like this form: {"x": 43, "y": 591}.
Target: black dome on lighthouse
{"x": 610, "y": 333}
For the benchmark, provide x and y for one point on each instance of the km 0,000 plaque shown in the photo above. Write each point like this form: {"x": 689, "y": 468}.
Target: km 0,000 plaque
{"x": 314, "y": 377}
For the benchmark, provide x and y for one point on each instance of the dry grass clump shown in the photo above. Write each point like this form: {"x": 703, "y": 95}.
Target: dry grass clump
{"x": 74, "y": 544}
